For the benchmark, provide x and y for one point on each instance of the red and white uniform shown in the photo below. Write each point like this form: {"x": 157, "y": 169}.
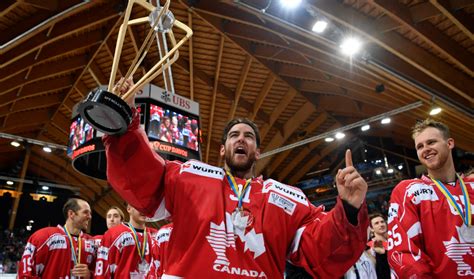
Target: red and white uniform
{"x": 97, "y": 240}
{"x": 423, "y": 228}
{"x": 118, "y": 256}
{"x": 200, "y": 200}
{"x": 159, "y": 251}
{"x": 48, "y": 254}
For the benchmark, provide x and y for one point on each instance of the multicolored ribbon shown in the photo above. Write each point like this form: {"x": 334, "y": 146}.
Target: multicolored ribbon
{"x": 75, "y": 258}
{"x": 233, "y": 185}
{"x": 466, "y": 218}
{"x": 140, "y": 248}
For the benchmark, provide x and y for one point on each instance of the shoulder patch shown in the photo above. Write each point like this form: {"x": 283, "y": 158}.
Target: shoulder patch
{"x": 57, "y": 241}
{"x": 285, "y": 190}
{"x": 286, "y": 204}
{"x": 202, "y": 169}
{"x": 418, "y": 192}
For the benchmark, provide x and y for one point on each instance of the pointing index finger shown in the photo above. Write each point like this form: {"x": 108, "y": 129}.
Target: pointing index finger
{"x": 349, "y": 158}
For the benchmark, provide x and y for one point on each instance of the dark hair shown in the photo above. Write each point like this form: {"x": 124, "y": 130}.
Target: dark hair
{"x": 71, "y": 204}
{"x": 422, "y": 125}
{"x": 373, "y": 216}
{"x": 236, "y": 121}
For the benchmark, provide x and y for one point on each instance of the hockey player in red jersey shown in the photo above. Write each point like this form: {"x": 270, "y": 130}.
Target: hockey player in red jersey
{"x": 125, "y": 251}
{"x": 162, "y": 238}
{"x": 113, "y": 217}
{"x": 229, "y": 223}
{"x": 48, "y": 253}
{"x": 430, "y": 223}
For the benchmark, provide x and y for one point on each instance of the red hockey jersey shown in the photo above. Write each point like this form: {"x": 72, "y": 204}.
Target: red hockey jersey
{"x": 423, "y": 228}
{"x": 118, "y": 256}
{"x": 159, "y": 251}
{"x": 48, "y": 254}
{"x": 204, "y": 242}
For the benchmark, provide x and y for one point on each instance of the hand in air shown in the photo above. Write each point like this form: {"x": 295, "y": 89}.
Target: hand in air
{"x": 351, "y": 186}
{"x": 122, "y": 86}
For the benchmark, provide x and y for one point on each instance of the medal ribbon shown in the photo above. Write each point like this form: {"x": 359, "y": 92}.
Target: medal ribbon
{"x": 75, "y": 258}
{"x": 233, "y": 186}
{"x": 140, "y": 248}
{"x": 467, "y": 202}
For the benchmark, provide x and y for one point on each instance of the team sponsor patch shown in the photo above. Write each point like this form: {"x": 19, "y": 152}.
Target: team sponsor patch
{"x": 285, "y": 190}
{"x": 29, "y": 249}
{"x": 89, "y": 246}
{"x": 164, "y": 235}
{"x": 287, "y": 205}
{"x": 418, "y": 192}
{"x": 125, "y": 239}
{"x": 103, "y": 253}
{"x": 198, "y": 168}
{"x": 392, "y": 212}
{"x": 57, "y": 242}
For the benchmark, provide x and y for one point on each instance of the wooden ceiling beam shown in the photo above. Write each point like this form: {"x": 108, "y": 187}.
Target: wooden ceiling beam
{"x": 465, "y": 24}
{"x": 240, "y": 86}
{"x": 49, "y": 5}
{"x": 7, "y": 6}
{"x": 214, "y": 95}
{"x": 43, "y": 71}
{"x": 289, "y": 96}
{"x": 62, "y": 30}
{"x": 286, "y": 173}
{"x": 400, "y": 46}
{"x": 288, "y": 129}
{"x": 28, "y": 118}
{"x": 97, "y": 74}
{"x": 443, "y": 43}
{"x": 34, "y": 103}
{"x": 53, "y": 51}
{"x": 221, "y": 88}
{"x": 280, "y": 157}
{"x": 267, "y": 86}
{"x": 109, "y": 31}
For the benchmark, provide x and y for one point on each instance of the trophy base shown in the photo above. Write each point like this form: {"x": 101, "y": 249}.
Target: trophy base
{"x": 106, "y": 112}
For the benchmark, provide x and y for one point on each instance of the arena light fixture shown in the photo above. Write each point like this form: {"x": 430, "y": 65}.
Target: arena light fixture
{"x": 47, "y": 149}
{"x": 390, "y": 170}
{"x": 45, "y": 188}
{"x": 378, "y": 172}
{"x": 350, "y": 46}
{"x": 340, "y": 135}
{"x": 15, "y": 143}
{"x": 386, "y": 120}
{"x": 400, "y": 167}
{"x": 329, "y": 139}
{"x": 9, "y": 182}
{"x": 435, "y": 110}
{"x": 319, "y": 26}
{"x": 365, "y": 127}
{"x": 290, "y": 4}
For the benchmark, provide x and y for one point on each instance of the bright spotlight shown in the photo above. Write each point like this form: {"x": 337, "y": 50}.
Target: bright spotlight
{"x": 47, "y": 149}
{"x": 378, "y": 172}
{"x": 350, "y": 46}
{"x": 320, "y": 26}
{"x": 386, "y": 120}
{"x": 400, "y": 167}
{"x": 9, "y": 182}
{"x": 340, "y": 135}
{"x": 15, "y": 143}
{"x": 390, "y": 170}
{"x": 45, "y": 188}
{"x": 435, "y": 111}
{"x": 290, "y": 4}
{"x": 365, "y": 127}
{"x": 329, "y": 139}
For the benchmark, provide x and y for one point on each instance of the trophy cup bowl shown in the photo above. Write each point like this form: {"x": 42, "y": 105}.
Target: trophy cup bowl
{"x": 107, "y": 110}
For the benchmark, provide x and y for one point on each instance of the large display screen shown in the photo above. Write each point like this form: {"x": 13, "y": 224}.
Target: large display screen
{"x": 80, "y": 133}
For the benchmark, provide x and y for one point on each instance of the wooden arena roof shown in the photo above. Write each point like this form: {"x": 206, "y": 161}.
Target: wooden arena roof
{"x": 251, "y": 59}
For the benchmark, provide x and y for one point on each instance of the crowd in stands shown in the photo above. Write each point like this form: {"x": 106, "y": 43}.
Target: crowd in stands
{"x": 12, "y": 244}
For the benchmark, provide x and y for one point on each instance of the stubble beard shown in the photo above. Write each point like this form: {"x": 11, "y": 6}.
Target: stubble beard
{"x": 242, "y": 167}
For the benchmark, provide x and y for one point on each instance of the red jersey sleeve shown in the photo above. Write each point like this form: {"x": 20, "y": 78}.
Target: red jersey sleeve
{"x": 134, "y": 170}
{"x": 404, "y": 231}
{"x": 327, "y": 243}
{"x": 34, "y": 256}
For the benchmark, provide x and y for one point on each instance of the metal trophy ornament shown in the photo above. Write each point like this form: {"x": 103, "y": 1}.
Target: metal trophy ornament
{"x": 107, "y": 110}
